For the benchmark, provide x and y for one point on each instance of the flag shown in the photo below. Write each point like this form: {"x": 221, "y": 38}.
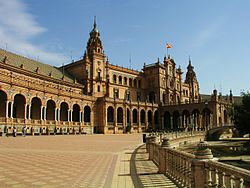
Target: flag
{"x": 168, "y": 45}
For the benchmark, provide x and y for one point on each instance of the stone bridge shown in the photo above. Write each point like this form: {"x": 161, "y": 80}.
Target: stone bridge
{"x": 216, "y": 132}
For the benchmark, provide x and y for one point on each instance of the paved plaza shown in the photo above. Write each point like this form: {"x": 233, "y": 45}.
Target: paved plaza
{"x": 75, "y": 161}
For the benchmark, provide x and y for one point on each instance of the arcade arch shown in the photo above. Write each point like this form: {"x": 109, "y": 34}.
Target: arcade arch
{"x": 19, "y": 106}
{"x": 87, "y": 114}
{"x": 3, "y": 102}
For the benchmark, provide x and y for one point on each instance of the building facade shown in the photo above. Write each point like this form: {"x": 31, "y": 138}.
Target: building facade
{"x": 93, "y": 96}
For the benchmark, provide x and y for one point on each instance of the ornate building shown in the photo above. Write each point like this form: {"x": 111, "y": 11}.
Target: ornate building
{"x": 92, "y": 95}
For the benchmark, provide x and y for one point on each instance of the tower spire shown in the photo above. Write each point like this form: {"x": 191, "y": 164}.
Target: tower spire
{"x": 95, "y": 23}
{"x": 189, "y": 60}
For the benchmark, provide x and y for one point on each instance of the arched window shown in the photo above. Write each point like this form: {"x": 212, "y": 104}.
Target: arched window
{"x": 114, "y": 79}
{"x": 110, "y": 114}
{"x": 87, "y": 114}
{"x": 125, "y": 81}
{"x": 120, "y": 80}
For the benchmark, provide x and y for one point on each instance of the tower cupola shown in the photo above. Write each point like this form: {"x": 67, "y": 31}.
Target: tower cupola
{"x": 94, "y": 44}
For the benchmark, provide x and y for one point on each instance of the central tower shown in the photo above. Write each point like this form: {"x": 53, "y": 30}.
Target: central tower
{"x": 94, "y": 65}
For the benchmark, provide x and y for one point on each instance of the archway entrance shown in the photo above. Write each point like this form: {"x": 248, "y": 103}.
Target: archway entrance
{"x": 3, "y": 101}
{"x": 19, "y": 106}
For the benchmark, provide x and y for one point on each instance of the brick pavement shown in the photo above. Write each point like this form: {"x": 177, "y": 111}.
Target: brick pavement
{"x": 77, "y": 161}
{"x": 133, "y": 169}
{"x": 61, "y": 161}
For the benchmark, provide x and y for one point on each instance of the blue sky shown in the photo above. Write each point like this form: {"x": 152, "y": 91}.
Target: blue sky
{"x": 215, "y": 34}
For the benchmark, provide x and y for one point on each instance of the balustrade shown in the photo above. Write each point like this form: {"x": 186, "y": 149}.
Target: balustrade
{"x": 224, "y": 175}
{"x": 199, "y": 170}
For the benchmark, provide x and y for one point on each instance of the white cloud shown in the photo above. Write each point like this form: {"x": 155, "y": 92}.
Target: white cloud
{"x": 17, "y": 27}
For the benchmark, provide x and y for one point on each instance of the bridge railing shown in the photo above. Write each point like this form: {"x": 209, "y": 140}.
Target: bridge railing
{"x": 195, "y": 170}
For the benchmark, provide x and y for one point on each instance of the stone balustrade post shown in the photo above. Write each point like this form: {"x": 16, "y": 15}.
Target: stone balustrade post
{"x": 163, "y": 156}
{"x": 198, "y": 175}
{"x": 147, "y": 142}
{"x": 152, "y": 142}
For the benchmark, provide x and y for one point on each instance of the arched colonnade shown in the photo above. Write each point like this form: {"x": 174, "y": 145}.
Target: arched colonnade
{"x": 41, "y": 109}
{"x": 121, "y": 117}
{"x": 196, "y": 120}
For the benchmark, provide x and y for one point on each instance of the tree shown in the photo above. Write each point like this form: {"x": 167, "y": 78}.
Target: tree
{"x": 241, "y": 114}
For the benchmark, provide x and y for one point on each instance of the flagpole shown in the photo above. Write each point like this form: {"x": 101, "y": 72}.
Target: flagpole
{"x": 168, "y": 46}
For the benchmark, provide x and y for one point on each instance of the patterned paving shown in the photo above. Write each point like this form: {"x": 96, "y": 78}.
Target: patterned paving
{"x": 135, "y": 170}
{"x": 61, "y": 161}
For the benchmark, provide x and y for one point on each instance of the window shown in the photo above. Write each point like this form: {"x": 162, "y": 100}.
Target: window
{"x": 125, "y": 81}
{"x": 114, "y": 79}
{"x": 120, "y": 80}
{"x": 98, "y": 88}
{"x": 130, "y": 82}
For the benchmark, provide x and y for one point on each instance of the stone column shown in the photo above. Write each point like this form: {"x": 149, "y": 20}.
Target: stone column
{"x": 11, "y": 110}
{"x": 71, "y": 115}
{"x": 181, "y": 126}
{"x": 58, "y": 114}
{"x": 92, "y": 120}
{"x": 80, "y": 116}
{"x": 131, "y": 119}
{"x": 139, "y": 120}
{"x": 151, "y": 143}
{"x": 211, "y": 121}
{"x": 7, "y": 109}
{"x": 200, "y": 122}
{"x": 153, "y": 120}
{"x": 115, "y": 119}
{"x": 29, "y": 112}
{"x": 44, "y": 115}
{"x": 41, "y": 111}
{"x": 55, "y": 117}
{"x": 163, "y": 155}
{"x": 68, "y": 114}
{"x": 162, "y": 122}
{"x": 124, "y": 119}
{"x": 202, "y": 155}
{"x": 25, "y": 111}
{"x": 184, "y": 122}
{"x": 171, "y": 122}
{"x": 192, "y": 123}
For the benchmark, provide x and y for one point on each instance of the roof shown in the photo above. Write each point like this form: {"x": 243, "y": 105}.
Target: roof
{"x": 32, "y": 66}
{"x": 237, "y": 99}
